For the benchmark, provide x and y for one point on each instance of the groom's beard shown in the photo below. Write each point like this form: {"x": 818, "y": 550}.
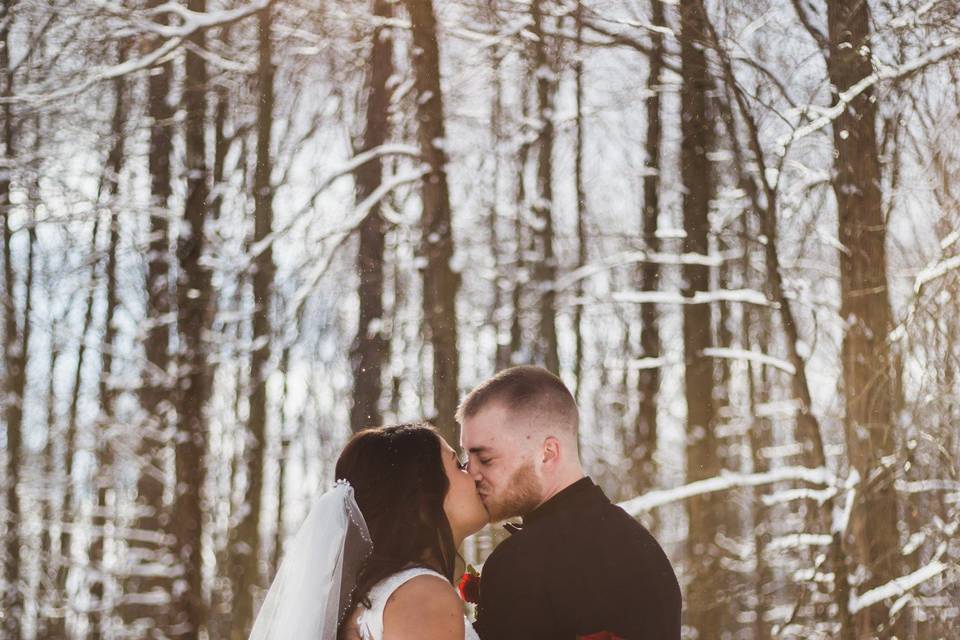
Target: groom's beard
{"x": 520, "y": 496}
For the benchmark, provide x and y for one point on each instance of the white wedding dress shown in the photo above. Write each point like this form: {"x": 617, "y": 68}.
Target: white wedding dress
{"x": 370, "y": 621}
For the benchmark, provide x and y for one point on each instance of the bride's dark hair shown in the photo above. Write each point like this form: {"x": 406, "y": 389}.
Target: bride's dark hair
{"x": 399, "y": 482}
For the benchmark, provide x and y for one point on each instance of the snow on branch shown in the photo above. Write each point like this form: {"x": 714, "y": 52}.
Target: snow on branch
{"x": 361, "y": 159}
{"x": 345, "y": 169}
{"x": 340, "y": 234}
{"x": 746, "y": 296}
{"x": 755, "y": 356}
{"x": 175, "y": 36}
{"x": 951, "y": 47}
{"x": 632, "y": 257}
{"x": 935, "y": 271}
{"x": 897, "y": 586}
{"x": 727, "y": 480}
{"x": 39, "y": 96}
{"x": 799, "y": 540}
{"x": 193, "y": 21}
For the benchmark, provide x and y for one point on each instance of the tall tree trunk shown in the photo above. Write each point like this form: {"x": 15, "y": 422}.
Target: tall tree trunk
{"x": 149, "y": 558}
{"x": 502, "y": 358}
{"x": 705, "y": 612}
{"x": 52, "y": 472}
{"x": 285, "y": 437}
{"x": 581, "y": 203}
{"x": 864, "y": 305}
{"x": 546, "y": 268}
{"x": 440, "y": 282}
{"x": 370, "y": 347}
{"x": 194, "y": 308}
{"x": 13, "y": 355}
{"x": 104, "y": 457}
{"x": 520, "y": 272}
{"x": 648, "y": 379}
{"x": 246, "y": 544}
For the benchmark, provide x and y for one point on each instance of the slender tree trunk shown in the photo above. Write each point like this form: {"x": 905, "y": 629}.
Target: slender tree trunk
{"x": 285, "y": 437}
{"x": 648, "y": 379}
{"x": 581, "y": 196}
{"x": 149, "y": 559}
{"x": 53, "y": 474}
{"x": 440, "y": 282}
{"x": 545, "y": 270}
{"x": 194, "y": 308}
{"x": 246, "y": 544}
{"x": 370, "y": 346}
{"x": 103, "y": 475}
{"x": 520, "y": 272}
{"x": 864, "y": 305}
{"x": 502, "y": 359}
{"x": 705, "y": 611}
{"x": 14, "y": 358}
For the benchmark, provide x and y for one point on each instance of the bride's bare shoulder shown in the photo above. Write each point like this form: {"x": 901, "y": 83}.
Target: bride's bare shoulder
{"x": 424, "y": 607}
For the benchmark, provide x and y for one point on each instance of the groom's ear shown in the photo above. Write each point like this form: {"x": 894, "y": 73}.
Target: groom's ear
{"x": 551, "y": 449}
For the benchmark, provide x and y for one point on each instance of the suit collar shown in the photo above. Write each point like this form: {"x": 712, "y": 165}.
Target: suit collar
{"x": 581, "y": 492}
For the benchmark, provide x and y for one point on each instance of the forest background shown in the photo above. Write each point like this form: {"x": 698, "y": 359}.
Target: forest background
{"x": 235, "y": 231}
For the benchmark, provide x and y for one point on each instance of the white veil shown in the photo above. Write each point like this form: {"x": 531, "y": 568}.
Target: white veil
{"x": 319, "y": 571}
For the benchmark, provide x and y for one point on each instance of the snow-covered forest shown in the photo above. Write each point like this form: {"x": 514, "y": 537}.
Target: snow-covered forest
{"x": 236, "y": 230}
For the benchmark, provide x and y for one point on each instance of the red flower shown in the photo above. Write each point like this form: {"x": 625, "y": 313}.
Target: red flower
{"x": 600, "y": 635}
{"x": 469, "y": 588}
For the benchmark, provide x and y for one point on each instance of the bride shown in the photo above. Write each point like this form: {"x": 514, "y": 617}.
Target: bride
{"x": 374, "y": 558}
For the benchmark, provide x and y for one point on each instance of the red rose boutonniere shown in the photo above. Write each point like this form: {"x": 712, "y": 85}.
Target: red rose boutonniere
{"x": 600, "y": 635}
{"x": 469, "y": 586}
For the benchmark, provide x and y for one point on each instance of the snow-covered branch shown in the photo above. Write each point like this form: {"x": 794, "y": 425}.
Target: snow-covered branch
{"x": 754, "y": 356}
{"x": 897, "y": 586}
{"x": 746, "y": 296}
{"x": 174, "y": 36}
{"x": 634, "y": 257}
{"x": 728, "y": 480}
{"x": 950, "y": 47}
{"x": 934, "y": 272}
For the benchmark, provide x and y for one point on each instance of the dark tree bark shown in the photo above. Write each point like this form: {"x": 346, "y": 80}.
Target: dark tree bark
{"x": 581, "y": 203}
{"x": 519, "y": 236}
{"x": 285, "y": 437}
{"x": 440, "y": 282}
{"x": 545, "y": 270}
{"x": 370, "y": 346}
{"x": 194, "y": 305}
{"x": 246, "y": 545}
{"x": 868, "y": 378}
{"x": 110, "y": 185}
{"x": 648, "y": 379}
{"x": 503, "y": 356}
{"x": 14, "y": 356}
{"x": 150, "y": 559}
{"x": 705, "y": 610}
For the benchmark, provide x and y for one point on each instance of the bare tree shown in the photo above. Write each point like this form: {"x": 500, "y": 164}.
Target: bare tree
{"x": 194, "y": 307}
{"x": 110, "y": 185}
{"x": 149, "y": 558}
{"x": 370, "y": 346}
{"x": 545, "y": 269}
{"x": 245, "y": 541}
{"x": 864, "y": 302}
{"x": 14, "y": 353}
{"x": 440, "y": 282}
{"x": 648, "y": 379}
{"x": 702, "y": 462}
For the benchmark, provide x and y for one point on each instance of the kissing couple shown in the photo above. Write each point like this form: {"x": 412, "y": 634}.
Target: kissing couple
{"x": 375, "y": 557}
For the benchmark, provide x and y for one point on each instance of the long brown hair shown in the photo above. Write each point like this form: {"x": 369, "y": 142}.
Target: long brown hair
{"x": 399, "y": 482}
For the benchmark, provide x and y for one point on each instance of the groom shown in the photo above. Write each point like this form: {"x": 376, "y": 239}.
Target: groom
{"x": 578, "y": 565}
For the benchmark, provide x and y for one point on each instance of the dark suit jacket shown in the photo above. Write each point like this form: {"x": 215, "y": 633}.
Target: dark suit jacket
{"x": 578, "y": 565}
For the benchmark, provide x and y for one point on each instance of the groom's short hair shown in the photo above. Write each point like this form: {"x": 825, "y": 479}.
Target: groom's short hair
{"x": 526, "y": 389}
